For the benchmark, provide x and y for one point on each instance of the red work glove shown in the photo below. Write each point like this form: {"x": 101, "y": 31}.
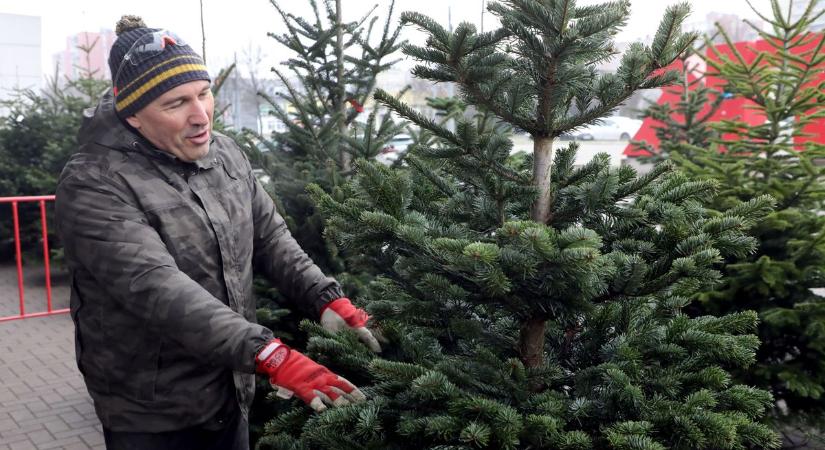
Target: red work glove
{"x": 340, "y": 313}
{"x": 293, "y": 373}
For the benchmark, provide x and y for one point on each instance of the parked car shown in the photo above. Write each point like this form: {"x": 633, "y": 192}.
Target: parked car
{"x": 395, "y": 147}
{"x": 611, "y": 129}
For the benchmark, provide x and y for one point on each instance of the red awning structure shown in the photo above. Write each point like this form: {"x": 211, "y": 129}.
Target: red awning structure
{"x": 733, "y": 107}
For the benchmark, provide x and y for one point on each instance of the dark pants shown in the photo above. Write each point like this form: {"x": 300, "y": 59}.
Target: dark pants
{"x": 234, "y": 437}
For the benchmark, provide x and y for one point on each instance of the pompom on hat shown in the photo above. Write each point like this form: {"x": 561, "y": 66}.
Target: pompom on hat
{"x": 146, "y": 62}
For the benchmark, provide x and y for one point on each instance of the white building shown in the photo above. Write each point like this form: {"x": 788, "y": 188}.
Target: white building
{"x": 20, "y": 62}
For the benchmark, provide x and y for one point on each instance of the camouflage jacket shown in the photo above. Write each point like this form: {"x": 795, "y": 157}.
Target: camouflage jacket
{"x": 161, "y": 255}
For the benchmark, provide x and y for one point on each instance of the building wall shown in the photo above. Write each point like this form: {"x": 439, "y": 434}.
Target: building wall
{"x": 20, "y": 44}
{"x": 734, "y": 107}
{"x": 735, "y": 27}
{"x": 73, "y": 61}
{"x": 241, "y": 107}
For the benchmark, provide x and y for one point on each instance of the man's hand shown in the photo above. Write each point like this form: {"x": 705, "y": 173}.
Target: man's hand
{"x": 340, "y": 313}
{"x": 291, "y": 372}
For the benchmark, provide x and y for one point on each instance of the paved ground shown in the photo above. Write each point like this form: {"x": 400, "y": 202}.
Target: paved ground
{"x": 43, "y": 401}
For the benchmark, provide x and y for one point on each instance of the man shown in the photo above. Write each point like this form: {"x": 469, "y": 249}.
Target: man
{"x": 162, "y": 223}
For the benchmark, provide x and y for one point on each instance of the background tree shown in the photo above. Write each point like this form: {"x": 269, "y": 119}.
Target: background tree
{"x": 784, "y": 86}
{"x": 323, "y": 98}
{"x": 319, "y": 106}
{"x": 686, "y": 124}
{"x": 536, "y": 304}
{"x": 38, "y": 134}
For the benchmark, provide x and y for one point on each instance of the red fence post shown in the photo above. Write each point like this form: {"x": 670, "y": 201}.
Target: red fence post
{"x": 18, "y": 256}
{"x": 42, "y": 199}
{"x": 43, "y": 227}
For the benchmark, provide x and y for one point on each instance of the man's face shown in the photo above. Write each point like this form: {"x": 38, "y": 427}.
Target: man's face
{"x": 179, "y": 121}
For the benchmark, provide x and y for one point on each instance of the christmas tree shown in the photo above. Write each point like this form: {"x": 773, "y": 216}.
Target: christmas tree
{"x": 685, "y": 124}
{"x": 326, "y": 84}
{"x": 38, "y": 134}
{"x": 776, "y": 152}
{"x": 530, "y": 303}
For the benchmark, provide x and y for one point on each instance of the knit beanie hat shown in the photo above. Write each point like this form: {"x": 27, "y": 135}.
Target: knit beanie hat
{"x": 146, "y": 62}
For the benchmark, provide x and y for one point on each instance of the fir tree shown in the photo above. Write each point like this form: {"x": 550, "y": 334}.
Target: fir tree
{"x": 686, "y": 124}
{"x": 445, "y": 112}
{"x": 38, "y": 134}
{"x": 777, "y": 157}
{"x": 536, "y": 304}
{"x": 327, "y": 82}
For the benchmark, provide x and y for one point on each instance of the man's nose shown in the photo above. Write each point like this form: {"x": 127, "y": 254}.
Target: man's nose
{"x": 198, "y": 115}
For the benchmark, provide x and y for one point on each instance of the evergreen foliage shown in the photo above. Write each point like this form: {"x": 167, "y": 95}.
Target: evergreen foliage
{"x": 775, "y": 158}
{"x": 324, "y": 102}
{"x": 322, "y": 108}
{"x": 686, "y": 124}
{"x": 38, "y": 134}
{"x": 532, "y": 303}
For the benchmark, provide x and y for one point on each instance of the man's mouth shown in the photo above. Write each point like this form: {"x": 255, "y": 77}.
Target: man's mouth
{"x": 200, "y": 138}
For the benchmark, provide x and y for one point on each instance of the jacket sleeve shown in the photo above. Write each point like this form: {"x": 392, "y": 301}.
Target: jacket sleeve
{"x": 279, "y": 257}
{"x": 106, "y": 235}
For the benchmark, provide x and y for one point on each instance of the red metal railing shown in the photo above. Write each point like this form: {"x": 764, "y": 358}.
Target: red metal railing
{"x": 42, "y": 199}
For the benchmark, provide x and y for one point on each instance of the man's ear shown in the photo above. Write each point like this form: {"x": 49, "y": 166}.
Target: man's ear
{"x": 134, "y": 122}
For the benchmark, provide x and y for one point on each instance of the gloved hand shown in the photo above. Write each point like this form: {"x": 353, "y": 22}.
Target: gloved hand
{"x": 293, "y": 373}
{"x": 340, "y": 313}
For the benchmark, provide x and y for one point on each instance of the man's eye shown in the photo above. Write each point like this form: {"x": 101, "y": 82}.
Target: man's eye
{"x": 176, "y": 104}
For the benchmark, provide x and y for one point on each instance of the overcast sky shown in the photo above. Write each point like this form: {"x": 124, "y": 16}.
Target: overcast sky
{"x": 235, "y": 25}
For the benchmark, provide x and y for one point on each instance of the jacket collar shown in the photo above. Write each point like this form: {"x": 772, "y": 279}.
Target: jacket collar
{"x": 102, "y": 126}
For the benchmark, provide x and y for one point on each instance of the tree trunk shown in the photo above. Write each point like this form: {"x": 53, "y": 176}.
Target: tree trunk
{"x": 542, "y": 164}
{"x": 531, "y": 339}
{"x": 342, "y": 89}
{"x": 531, "y": 342}
{"x": 203, "y": 35}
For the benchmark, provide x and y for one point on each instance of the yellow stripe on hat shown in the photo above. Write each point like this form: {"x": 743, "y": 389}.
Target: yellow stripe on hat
{"x": 184, "y": 68}
{"x": 162, "y": 63}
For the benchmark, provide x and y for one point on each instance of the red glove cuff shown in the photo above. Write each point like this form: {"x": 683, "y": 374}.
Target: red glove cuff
{"x": 271, "y": 356}
{"x": 354, "y": 317}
